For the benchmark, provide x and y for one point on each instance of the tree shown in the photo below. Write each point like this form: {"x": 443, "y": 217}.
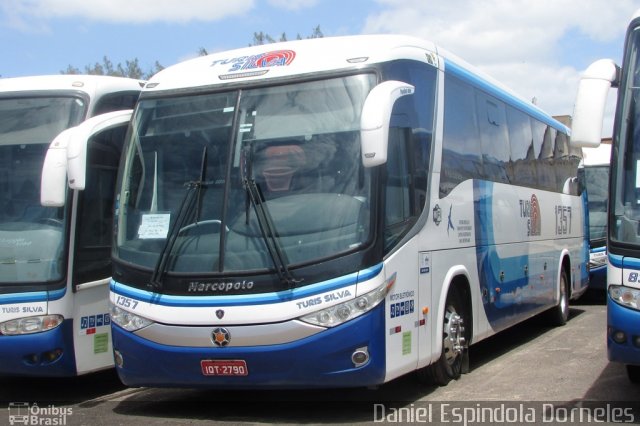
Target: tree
{"x": 130, "y": 69}
{"x": 264, "y": 38}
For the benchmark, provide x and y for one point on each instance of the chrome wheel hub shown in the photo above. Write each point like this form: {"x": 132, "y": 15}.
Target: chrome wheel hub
{"x": 454, "y": 341}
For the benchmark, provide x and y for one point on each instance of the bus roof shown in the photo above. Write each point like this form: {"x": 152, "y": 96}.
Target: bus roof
{"x": 91, "y": 84}
{"x": 290, "y": 58}
{"x": 304, "y": 57}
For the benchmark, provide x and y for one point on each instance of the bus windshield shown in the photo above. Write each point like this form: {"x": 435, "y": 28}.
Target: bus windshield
{"x": 626, "y": 196}
{"x": 218, "y": 182}
{"x": 32, "y": 243}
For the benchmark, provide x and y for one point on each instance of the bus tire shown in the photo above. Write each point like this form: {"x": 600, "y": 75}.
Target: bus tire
{"x": 454, "y": 352}
{"x": 559, "y": 314}
{"x": 633, "y": 373}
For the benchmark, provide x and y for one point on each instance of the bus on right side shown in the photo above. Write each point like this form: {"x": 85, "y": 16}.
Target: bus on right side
{"x": 623, "y": 236}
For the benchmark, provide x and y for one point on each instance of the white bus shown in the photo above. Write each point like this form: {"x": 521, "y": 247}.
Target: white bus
{"x": 335, "y": 212}
{"x": 55, "y": 261}
{"x": 623, "y": 236}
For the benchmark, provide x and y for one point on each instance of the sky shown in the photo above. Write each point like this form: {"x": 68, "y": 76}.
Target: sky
{"x": 539, "y": 48}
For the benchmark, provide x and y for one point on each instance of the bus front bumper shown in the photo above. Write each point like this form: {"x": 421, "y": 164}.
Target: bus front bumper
{"x": 319, "y": 361}
{"x": 46, "y": 354}
{"x": 623, "y": 333}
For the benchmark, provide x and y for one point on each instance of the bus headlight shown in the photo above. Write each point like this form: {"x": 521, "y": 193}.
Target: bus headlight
{"x": 128, "y": 320}
{"x": 625, "y": 296}
{"x": 30, "y": 325}
{"x": 338, "y": 314}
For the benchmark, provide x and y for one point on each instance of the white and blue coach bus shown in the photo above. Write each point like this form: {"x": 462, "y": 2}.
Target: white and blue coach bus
{"x": 335, "y": 212}
{"x": 623, "y": 238}
{"x": 55, "y": 261}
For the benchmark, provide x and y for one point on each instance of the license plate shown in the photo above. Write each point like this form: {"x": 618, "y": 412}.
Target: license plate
{"x": 224, "y": 367}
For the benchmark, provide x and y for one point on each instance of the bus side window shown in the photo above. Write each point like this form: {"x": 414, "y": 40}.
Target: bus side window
{"x": 461, "y": 159}
{"x": 493, "y": 137}
{"x": 92, "y": 258}
{"x": 522, "y": 162}
{"x": 398, "y": 199}
{"x": 546, "y": 172}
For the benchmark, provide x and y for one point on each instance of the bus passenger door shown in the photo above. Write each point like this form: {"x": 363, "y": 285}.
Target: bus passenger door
{"x": 424, "y": 308}
{"x": 92, "y": 249}
{"x": 402, "y": 328}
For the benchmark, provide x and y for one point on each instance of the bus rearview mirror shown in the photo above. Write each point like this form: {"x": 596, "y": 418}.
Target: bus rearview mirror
{"x": 375, "y": 119}
{"x": 53, "y": 184}
{"x": 588, "y": 112}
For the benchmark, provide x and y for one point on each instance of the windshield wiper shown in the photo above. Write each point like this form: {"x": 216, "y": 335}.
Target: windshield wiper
{"x": 191, "y": 199}
{"x": 265, "y": 223}
{"x": 269, "y": 235}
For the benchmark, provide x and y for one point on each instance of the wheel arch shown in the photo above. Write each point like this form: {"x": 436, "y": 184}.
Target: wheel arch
{"x": 564, "y": 264}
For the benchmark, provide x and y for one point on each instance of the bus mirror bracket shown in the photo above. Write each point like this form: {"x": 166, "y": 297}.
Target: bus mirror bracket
{"x": 375, "y": 120}
{"x": 53, "y": 184}
{"x": 588, "y": 111}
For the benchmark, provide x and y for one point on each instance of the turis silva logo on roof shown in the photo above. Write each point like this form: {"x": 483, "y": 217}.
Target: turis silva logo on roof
{"x": 276, "y": 58}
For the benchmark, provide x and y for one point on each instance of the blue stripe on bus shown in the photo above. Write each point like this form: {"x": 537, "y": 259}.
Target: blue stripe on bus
{"x": 624, "y": 262}
{"x": 463, "y": 74}
{"x": 242, "y": 299}
{"x": 36, "y": 296}
{"x": 599, "y": 249}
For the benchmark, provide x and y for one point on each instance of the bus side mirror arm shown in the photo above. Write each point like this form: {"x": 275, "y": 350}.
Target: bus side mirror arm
{"x": 375, "y": 119}
{"x": 588, "y": 112}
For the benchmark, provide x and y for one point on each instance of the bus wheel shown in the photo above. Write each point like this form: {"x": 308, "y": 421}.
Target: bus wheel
{"x": 633, "y": 373}
{"x": 454, "y": 345}
{"x": 560, "y": 313}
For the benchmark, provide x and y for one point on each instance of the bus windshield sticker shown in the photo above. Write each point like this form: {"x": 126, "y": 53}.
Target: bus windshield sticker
{"x": 154, "y": 225}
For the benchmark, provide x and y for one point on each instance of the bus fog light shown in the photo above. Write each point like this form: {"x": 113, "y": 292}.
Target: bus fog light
{"x": 117, "y": 358}
{"x": 619, "y": 337}
{"x": 52, "y": 356}
{"x": 360, "y": 357}
{"x": 636, "y": 341}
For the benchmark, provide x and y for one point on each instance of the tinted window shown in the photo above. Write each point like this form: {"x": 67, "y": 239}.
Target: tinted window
{"x": 116, "y": 102}
{"x": 461, "y": 157}
{"x": 95, "y": 207}
{"x": 522, "y": 165}
{"x": 409, "y": 148}
{"x": 494, "y": 137}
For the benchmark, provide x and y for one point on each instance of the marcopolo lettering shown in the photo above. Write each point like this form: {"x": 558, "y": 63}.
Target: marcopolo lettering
{"x": 219, "y": 287}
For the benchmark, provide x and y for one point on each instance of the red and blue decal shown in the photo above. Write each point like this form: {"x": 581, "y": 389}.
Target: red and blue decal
{"x": 275, "y": 58}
